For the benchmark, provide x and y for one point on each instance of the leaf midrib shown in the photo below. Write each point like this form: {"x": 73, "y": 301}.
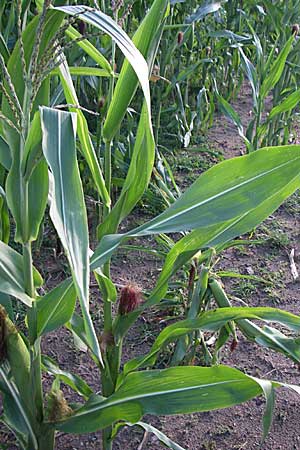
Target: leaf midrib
{"x": 153, "y": 394}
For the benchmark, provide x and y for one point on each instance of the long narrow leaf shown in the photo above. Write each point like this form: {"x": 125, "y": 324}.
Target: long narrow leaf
{"x": 213, "y": 321}
{"x": 276, "y": 69}
{"x": 107, "y": 24}
{"x": 67, "y": 208}
{"x": 227, "y": 192}
{"x": 204, "y": 10}
{"x": 90, "y": 50}
{"x": 177, "y": 390}
{"x": 15, "y": 411}
{"x": 138, "y": 175}
{"x": 286, "y": 105}
{"x": 128, "y": 80}
{"x": 83, "y": 133}
{"x": 160, "y": 436}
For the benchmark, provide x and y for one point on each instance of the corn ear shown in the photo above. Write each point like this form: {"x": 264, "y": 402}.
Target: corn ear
{"x": 16, "y": 352}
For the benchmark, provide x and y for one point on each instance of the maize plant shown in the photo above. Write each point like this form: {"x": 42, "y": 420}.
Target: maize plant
{"x": 271, "y": 77}
{"x": 39, "y": 160}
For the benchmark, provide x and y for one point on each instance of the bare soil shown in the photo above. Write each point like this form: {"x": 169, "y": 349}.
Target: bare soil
{"x": 235, "y": 428}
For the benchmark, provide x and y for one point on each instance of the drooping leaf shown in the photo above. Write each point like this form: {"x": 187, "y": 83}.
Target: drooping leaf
{"x": 177, "y": 390}
{"x": 15, "y": 414}
{"x": 160, "y": 436}
{"x": 72, "y": 380}
{"x": 220, "y": 200}
{"x": 129, "y": 75}
{"x": 213, "y": 321}
{"x": 11, "y": 274}
{"x": 233, "y": 116}
{"x": 107, "y": 24}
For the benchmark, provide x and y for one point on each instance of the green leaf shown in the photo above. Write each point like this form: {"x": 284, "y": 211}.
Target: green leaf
{"x": 160, "y": 436}
{"x": 233, "y": 116}
{"x": 15, "y": 414}
{"x": 70, "y": 379}
{"x": 55, "y": 308}
{"x": 90, "y": 50}
{"x": 107, "y": 286}
{"x": 287, "y": 104}
{"x": 204, "y": 10}
{"x": 228, "y": 35}
{"x": 4, "y": 218}
{"x": 129, "y": 75}
{"x": 266, "y": 336}
{"x": 83, "y": 133}
{"x": 5, "y": 154}
{"x": 216, "y": 235}
{"x": 271, "y": 338}
{"x": 147, "y": 40}
{"x": 178, "y": 390}
{"x": 269, "y": 393}
{"x": 107, "y": 24}
{"x": 6, "y": 302}
{"x": 27, "y": 228}
{"x": 84, "y": 71}
{"x": 276, "y": 69}
{"x": 137, "y": 178}
{"x": 11, "y": 274}
{"x": 212, "y": 321}
{"x": 219, "y": 202}
{"x": 251, "y": 75}
{"x": 3, "y": 49}
{"x": 67, "y": 208}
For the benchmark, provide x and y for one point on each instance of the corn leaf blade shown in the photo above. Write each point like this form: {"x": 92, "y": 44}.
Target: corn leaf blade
{"x": 67, "y": 208}
{"x": 178, "y": 390}
{"x": 276, "y": 69}
{"x": 11, "y": 274}
{"x": 213, "y": 321}
{"x": 221, "y": 198}
{"x": 83, "y": 133}
{"x": 56, "y": 307}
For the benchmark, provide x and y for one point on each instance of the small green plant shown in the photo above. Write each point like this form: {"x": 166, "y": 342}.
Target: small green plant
{"x": 270, "y": 76}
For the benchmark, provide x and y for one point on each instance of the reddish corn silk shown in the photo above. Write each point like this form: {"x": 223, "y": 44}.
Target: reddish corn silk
{"x": 81, "y": 27}
{"x": 180, "y": 37}
{"x": 101, "y": 102}
{"x": 130, "y": 299}
{"x": 295, "y": 29}
{"x": 233, "y": 345}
